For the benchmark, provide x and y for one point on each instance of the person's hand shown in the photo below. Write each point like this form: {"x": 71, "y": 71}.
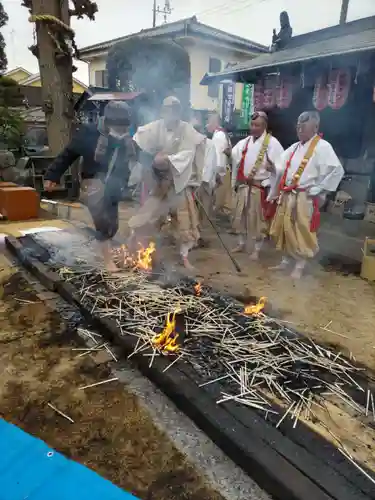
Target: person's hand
{"x": 270, "y": 166}
{"x": 272, "y": 199}
{"x": 49, "y": 186}
{"x": 160, "y": 159}
{"x": 314, "y": 191}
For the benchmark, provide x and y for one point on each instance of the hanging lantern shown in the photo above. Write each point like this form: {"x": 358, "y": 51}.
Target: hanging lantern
{"x": 320, "y": 95}
{"x": 258, "y": 96}
{"x": 339, "y": 87}
{"x": 284, "y": 92}
{"x": 269, "y": 99}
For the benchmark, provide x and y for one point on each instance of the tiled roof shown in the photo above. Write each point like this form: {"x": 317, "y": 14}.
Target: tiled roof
{"x": 315, "y": 45}
{"x": 190, "y": 26}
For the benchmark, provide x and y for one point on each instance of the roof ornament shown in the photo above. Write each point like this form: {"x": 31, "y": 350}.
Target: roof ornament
{"x": 280, "y": 40}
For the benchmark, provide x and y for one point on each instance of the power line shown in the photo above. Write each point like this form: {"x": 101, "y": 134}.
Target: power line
{"x": 223, "y": 7}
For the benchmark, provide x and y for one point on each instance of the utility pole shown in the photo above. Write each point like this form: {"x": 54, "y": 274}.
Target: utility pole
{"x": 344, "y": 11}
{"x": 167, "y": 11}
{"x": 154, "y": 14}
{"x": 55, "y": 68}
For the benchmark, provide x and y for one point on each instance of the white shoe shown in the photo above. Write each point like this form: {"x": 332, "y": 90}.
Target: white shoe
{"x": 255, "y": 256}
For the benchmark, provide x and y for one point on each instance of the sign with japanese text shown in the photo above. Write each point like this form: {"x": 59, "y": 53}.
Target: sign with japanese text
{"x": 247, "y": 106}
{"x": 229, "y": 96}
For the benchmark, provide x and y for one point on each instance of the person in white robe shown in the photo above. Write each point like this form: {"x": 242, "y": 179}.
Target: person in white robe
{"x": 307, "y": 172}
{"x": 177, "y": 154}
{"x": 209, "y": 180}
{"x": 223, "y": 189}
{"x": 251, "y": 180}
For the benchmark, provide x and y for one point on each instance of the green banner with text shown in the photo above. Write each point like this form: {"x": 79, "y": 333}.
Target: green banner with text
{"x": 247, "y": 107}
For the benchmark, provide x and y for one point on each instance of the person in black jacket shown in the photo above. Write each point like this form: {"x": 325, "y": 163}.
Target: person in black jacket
{"x": 108, "y": 154}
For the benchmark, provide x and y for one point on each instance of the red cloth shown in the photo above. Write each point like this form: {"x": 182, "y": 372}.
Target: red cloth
{"x": 315, "y": 217}
{"x": 241, "y": 169}
{"x": 269, "y": 209}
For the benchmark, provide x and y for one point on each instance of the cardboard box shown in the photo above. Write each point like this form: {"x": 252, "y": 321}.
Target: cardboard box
{"x": 370, "y": 212}
{"x": 368, "y": 261}
{"x": 19, "y": 203}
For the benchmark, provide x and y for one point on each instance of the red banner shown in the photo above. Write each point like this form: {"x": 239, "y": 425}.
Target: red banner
{"x": 339, "y": 87}
{"x": 284, "y": 92}
{"x": 269, "y": 99}
{"x": 258, "y": 96}
{"x": 320, "y": 96}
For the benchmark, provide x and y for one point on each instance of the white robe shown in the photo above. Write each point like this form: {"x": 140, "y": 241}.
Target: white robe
{"x": 185, "y": 140}
{"x": 262, "y": 175}
{"x": 322, "y": 174}
{"x": 221, "y": 143}
{"x": 210, "y": 169}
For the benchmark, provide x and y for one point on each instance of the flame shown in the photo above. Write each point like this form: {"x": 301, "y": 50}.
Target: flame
{"x": 167, "y": 340}
{"x": 142, "y": 261}
{"x": 198, "y": 289}
{"x": 256, "y": 309}
{"x": 144, "y": 255}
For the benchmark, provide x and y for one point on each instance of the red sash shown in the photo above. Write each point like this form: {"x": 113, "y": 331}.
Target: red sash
{"x": 268, "y": 209}
{"x": 241, "y": 169}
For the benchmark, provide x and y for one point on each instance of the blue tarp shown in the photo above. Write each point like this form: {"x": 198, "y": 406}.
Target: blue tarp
{"x": 30, "y": 469}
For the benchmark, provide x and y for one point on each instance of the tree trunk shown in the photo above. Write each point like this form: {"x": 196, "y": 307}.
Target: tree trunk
{"x": 56, "y": 75}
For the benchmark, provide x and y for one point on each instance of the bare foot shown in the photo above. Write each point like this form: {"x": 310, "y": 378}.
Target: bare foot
{"x": 239, "y": 249}
{"x": 297, "y": 273}
{"x": 187, "y": 265}
{"x": 111, "y": 267}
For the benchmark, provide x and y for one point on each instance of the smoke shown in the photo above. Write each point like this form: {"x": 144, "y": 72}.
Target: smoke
{"x": 157, "y": 68}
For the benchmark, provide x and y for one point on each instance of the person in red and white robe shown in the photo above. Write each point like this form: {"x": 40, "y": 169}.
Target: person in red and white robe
{"x": 306, "y": 172}
{"x": 252, "y": 179}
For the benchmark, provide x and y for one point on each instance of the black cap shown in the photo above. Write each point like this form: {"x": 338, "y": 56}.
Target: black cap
{"x": 117, "y": 113}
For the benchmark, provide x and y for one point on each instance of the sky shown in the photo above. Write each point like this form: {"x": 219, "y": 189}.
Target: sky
{"x": 252, "y": 19}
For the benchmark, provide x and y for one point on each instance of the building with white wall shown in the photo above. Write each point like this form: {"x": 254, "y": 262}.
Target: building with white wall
{"x": 209, "y": 50}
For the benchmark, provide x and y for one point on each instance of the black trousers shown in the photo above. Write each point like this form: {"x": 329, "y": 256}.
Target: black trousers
{"x": 103, "y": 208}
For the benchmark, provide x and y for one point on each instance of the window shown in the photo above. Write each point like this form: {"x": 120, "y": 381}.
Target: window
{"x": 101, "y": 79}
{"x": 214, "y": 67}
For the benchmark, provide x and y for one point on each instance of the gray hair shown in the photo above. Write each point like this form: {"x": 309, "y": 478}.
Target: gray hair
{"x": 117, "y": 113}
{"x": 171, "y": 101}
{"x": 308, "y": 116}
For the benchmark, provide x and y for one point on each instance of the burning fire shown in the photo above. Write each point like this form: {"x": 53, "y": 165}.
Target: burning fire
{"x": 198, "y": 289}
{"x": 256, "y": 309}
{"x": 142, "y": 261}
{"x": 167, "y": 340}
{"x": 144, "y": 255}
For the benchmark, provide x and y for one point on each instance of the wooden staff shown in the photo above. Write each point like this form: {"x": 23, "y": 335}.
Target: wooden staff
{"x": 234, "y": 262}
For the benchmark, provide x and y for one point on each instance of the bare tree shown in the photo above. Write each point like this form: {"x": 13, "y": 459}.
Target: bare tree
{"x": 3, "y": 21}
{"x": 55, "y": 50}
